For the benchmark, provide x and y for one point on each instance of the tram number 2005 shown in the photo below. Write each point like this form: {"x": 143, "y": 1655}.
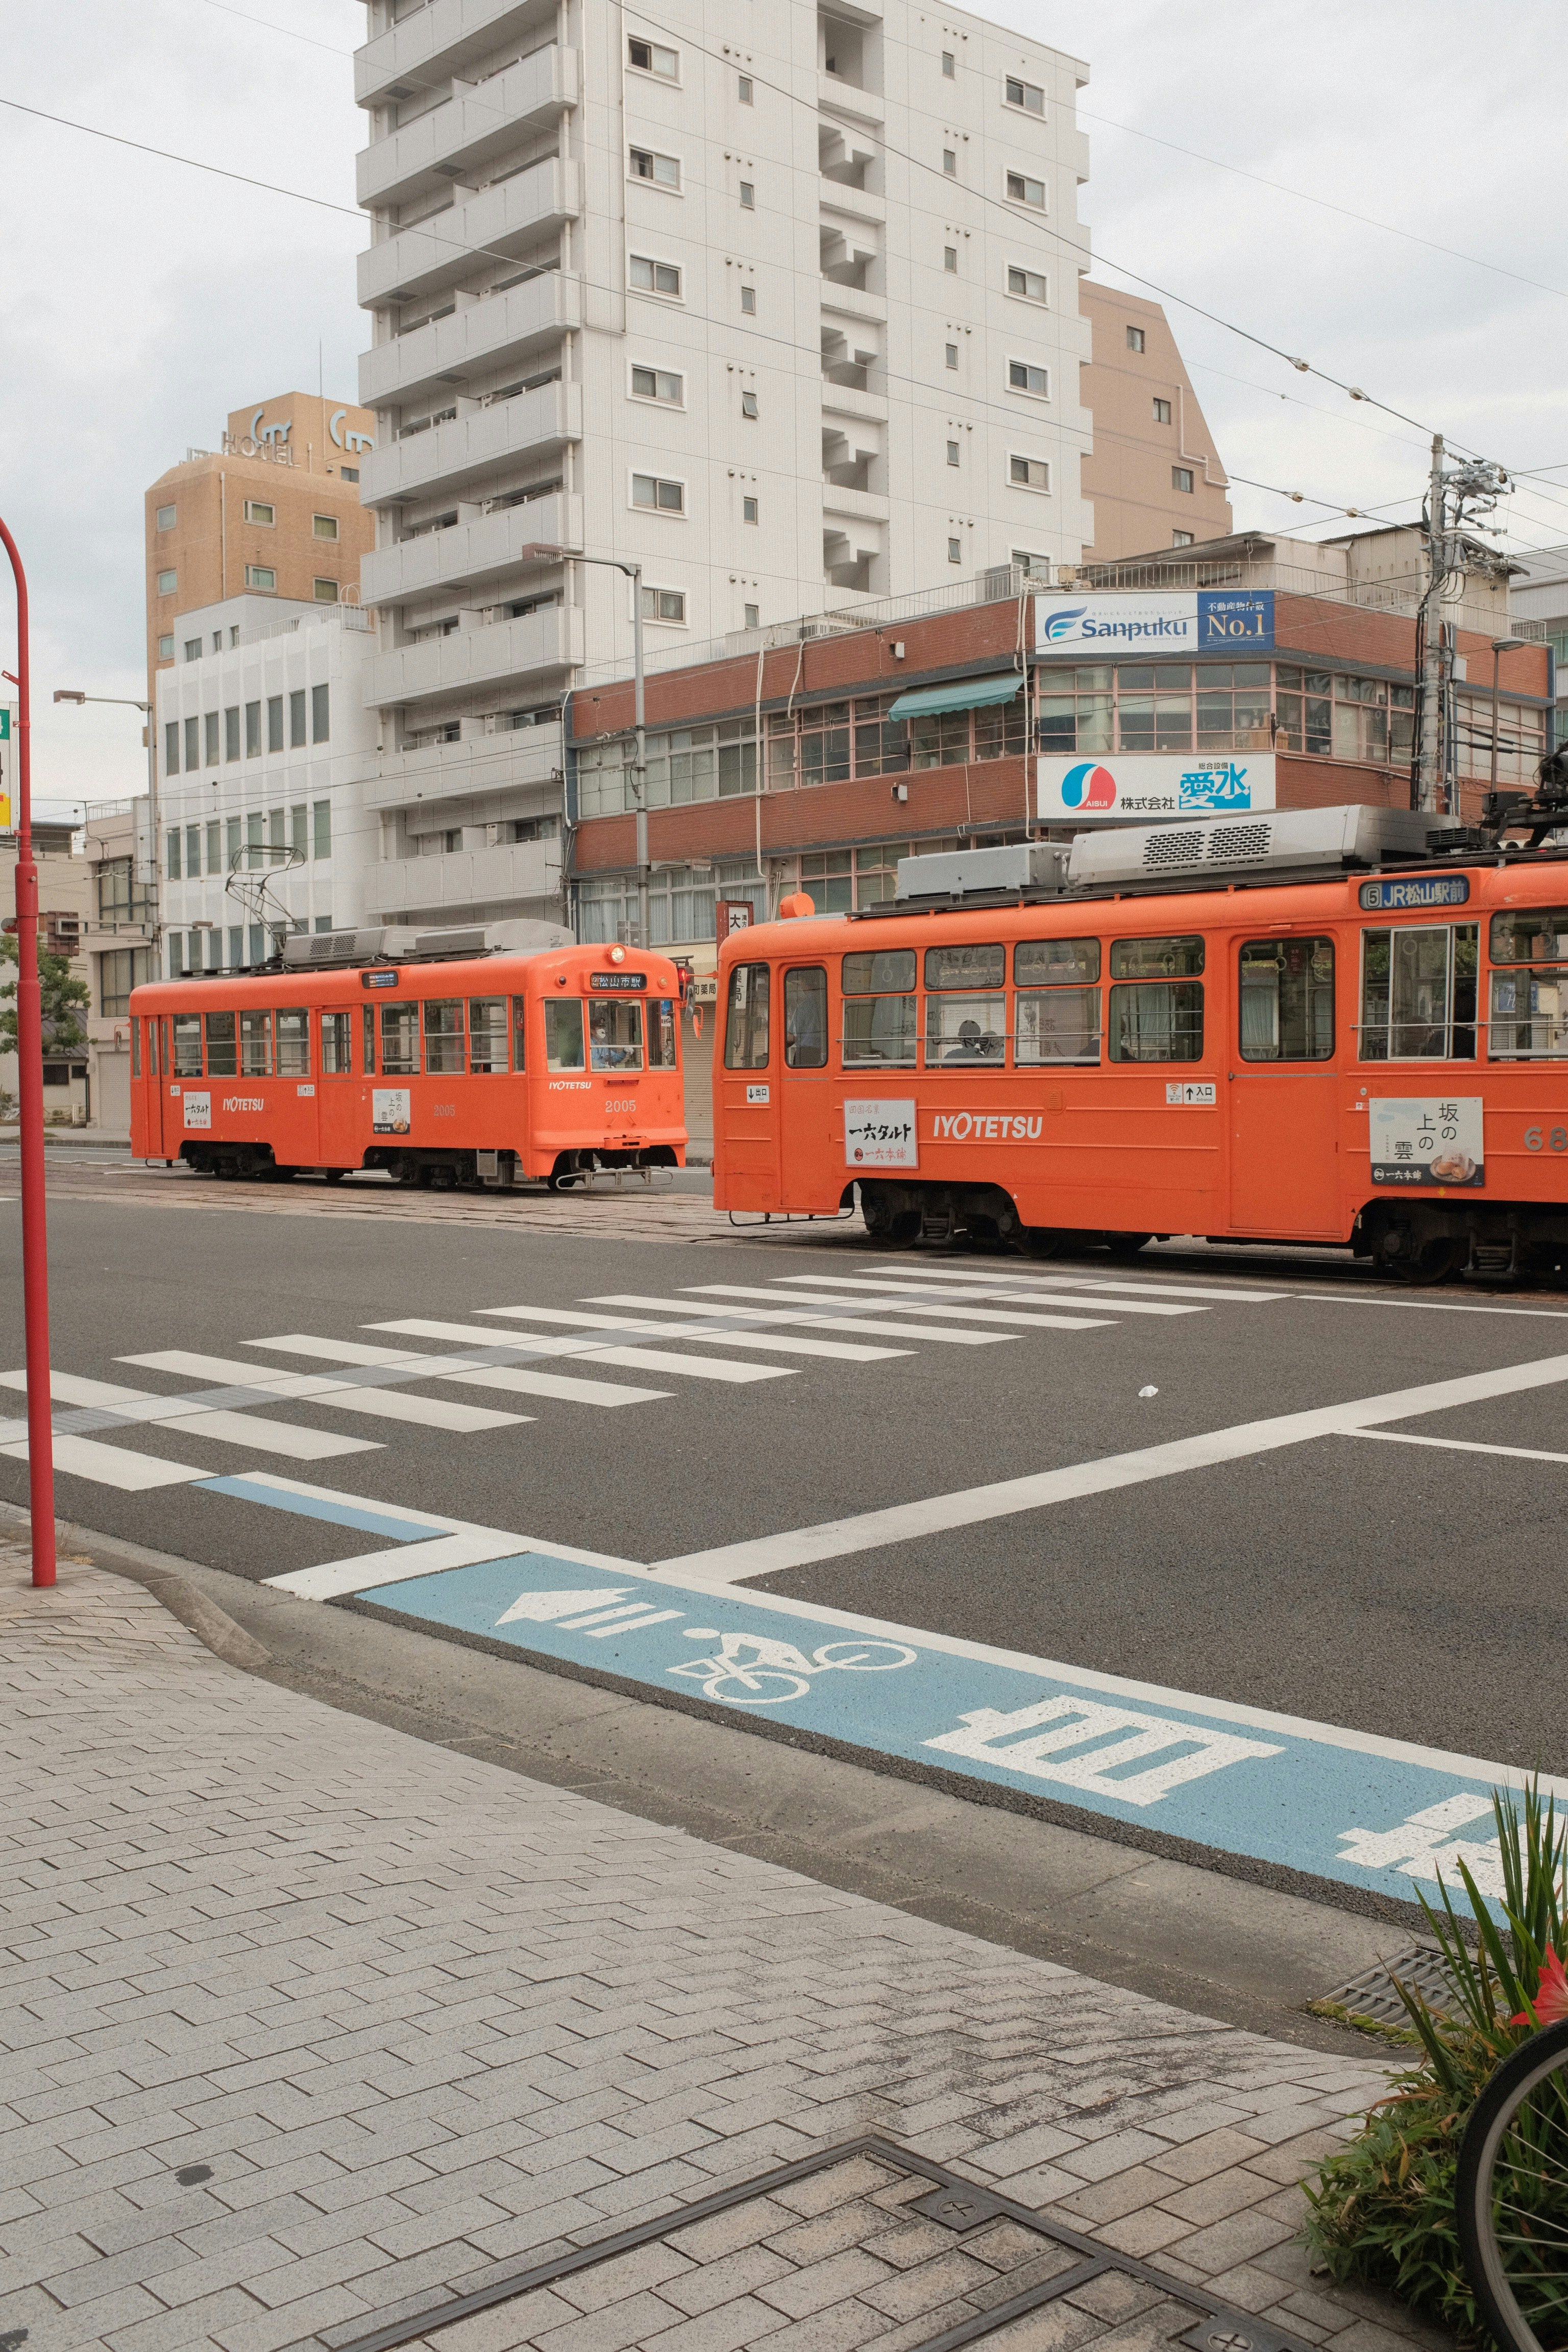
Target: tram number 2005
{"x": 1538, "y": 1139}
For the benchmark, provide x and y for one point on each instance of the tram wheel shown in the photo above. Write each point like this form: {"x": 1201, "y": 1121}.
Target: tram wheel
{"x": 1123, "y": 1247}
{"x": 1432, "y": 1261}
{"x": 334, "y": 1175}
{"x": 904, "y": 1228}
{"x": 1042, "y": 1241}
{"x": 405, "y": 1172}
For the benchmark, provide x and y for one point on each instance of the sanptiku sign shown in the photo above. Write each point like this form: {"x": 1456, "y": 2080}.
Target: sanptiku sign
{"x": 1163, "y": 621}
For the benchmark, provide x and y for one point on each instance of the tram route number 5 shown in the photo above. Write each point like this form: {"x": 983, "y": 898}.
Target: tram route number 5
{"x": 880, "y": 1134}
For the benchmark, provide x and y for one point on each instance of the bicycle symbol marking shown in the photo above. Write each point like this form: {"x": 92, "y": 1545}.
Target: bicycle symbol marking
{"x": 751, "y": 1671}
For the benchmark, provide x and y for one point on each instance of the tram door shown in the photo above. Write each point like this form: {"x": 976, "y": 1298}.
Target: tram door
{"x": 340, "y": 1095}
{"x": 1284, "y": 1171}
{"x": 805, "y": 1108}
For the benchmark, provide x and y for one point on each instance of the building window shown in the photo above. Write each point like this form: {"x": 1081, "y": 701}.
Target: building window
{"x": 657, "y": 383}
{"x": 261, "y": 577}
{"x": 168, "y": 582}
{"x": 253, "y": 731}
{"x": 166, "y": 649}
{"x": 321, "y": 729}
{"x": 215, "y": 846}
{"x": 753, "y": 616}
{"x": 193, "y": 649}
{"x": 172, "y": 862}
{"x": 746, "y": 92}
{"x": 949, "y": 66}
{"x": 260, "y": 511}
{"x": 1182, "y": 538}
{"x": 749, "y": 300}
{"x": 955, "y": 550}
{"x": 1029, "y": 473}
{"x": 296, "y": 719}
{"x": 1023, "y": 190}
{"x": 1022, "y": 377}
{"x": 349, "y": 473}
{"x": 1037, "y": 566}
{"x": 321, "y": 822}
{"x": 165, "y": 518}
{"x": 648, "y": 277}
{"x": 1135, "y": 339}
{"x": 118, "y": 971}
{"x": 1162, "y": 410}
{"x": 664, "y": 170}
{"x": 651, "y": 57}
{"x": 949, "y": 259}
{"x": 325, "y": 591}
{"x": 210, "y": 743}
{"x": 1181, "y": 479}
{"x": 953, "y": 453}
{"x": 324, "y": 526}
{"x": 192, "y": 852}
{"x": 193, "y": 744}
{"x": 748, "y": 197}
{"x": 952, "y": 355}
{"x": 663, "y": 605}
{"x": 275, "y": 722}
{"x": 170, "y": 747}
{"x": 748, "y": 404}
{"x": 666, "y": 498}
{"x": 231, "y": 732}
{"x": 1026, "y": 94}
{"x": 748, "y": 511}
{"x": 950, "y": 162}
{"x": 217, "y": 641}
{"x": 1029, "y": 285}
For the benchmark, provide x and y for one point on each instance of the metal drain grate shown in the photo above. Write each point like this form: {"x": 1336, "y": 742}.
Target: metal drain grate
{"x": 917, "y": 2254}
{"x": 1372, "y": 1994}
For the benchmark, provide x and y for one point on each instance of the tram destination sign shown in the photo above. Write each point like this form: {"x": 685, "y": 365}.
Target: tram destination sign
{"x": 617, "y": 980}
{"x": 1415, "y": 891}
{"x": 1156, "y": 623}
{"x": 1437, "y": 1140}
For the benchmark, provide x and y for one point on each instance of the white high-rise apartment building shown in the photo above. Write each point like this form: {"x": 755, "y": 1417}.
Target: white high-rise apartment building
{"x": 777, "y": 299}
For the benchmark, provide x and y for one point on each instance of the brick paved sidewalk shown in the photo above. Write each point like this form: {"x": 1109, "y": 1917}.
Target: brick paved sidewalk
{"x": 419, "y": 2020}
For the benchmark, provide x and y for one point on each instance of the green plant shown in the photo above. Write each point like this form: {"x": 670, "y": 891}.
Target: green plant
{"x": 1382, "y": 2210}
{"x": 59, "y": 992}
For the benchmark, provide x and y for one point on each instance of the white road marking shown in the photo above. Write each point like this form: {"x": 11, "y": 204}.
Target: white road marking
{"x": 1433, "y": 1305}
{"x": 655, "y": 1360}
{"x": 319, "y": 1388}
{"x": 518, "y": 1383}
{"x": 841, "y": 1311}
{"x": 109, "y": 1396}
{"x": 1456, "y": 1444}
{"x": 453, "y": 1543}
{"x": 635, "y": 1624}
{"x": 665, "y": 1330}
{"x": 226, "y": 1428}
{"x": 1097, "y": 1282}
{"x": 908, "y": 1522}
{"x": 112, "y": 1465}
{"x": 639, "y": 1359}
{"x": 892, "y": 1292}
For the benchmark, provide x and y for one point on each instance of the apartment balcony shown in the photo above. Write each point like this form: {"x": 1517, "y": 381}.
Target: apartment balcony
{"x": 852, "y": 203}
{"x": 476, "y": 123}
{"x": 462, "y": 877}
{"x": 449, "y": 35}
{"x": 851, "y": 302}
{"x": 446, "y": 352}
{"x": 522, "y": 759}
{"x": 467, "y": 551}
{"x": 447, "y": 456}
{"x": 535, "y": 646}
{"x": 841, "y": 97}
{"x": 843, "y": 400}
{"x": 853, "y": 506}
{"x": 433, "y": 254}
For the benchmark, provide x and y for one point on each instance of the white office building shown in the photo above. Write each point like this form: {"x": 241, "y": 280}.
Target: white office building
{"x": 779, "y": 303}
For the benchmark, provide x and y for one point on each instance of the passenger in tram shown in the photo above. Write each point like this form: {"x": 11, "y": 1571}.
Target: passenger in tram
{"x": 974, "y": 1044}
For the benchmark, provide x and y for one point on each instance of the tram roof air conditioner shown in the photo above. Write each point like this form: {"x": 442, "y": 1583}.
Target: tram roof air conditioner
{"x": 1324, "y": 840}
{"x": 960, "y": 873}
{"x": 384, "y": 942}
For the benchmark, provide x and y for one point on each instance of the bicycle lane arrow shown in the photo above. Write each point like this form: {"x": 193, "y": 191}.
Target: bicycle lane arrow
{"x": 1315, "y": 1799}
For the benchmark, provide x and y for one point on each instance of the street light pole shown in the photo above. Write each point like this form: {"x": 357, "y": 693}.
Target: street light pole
{"x": 539, "y": 552}
{"x": 154, "y": 864}
{"x": 31, "y": 1083}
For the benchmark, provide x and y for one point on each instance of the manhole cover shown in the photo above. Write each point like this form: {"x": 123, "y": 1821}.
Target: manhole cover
{"x": 1373, "y": 1995}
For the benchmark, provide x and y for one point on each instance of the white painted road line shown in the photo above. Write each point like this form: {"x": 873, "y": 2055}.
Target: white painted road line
{"x": 319, "y": 1388}
{"x": 892, "y": 1292}
{"x": 516, "y": 1380}
{"x": 662, "y": 1328}
{"x": 637, "y": 1360}
{"x": 112, "y": 1465}
{"x": 908, "y": 1522}
{"x": 227, "y": 1428}
{"x": 107, "y": 1396}
{"x": 1456, "y": 1444}
{"x": 1097, "y": 1282}
{"x": 396, "y": 1565}
{"x": 841, "y": 1311}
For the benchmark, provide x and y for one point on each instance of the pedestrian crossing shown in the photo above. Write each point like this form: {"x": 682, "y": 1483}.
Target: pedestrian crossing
{"x": 711, "y": 1335}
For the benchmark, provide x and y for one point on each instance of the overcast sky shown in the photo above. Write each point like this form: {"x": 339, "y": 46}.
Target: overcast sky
{"x": 141, "y": 300}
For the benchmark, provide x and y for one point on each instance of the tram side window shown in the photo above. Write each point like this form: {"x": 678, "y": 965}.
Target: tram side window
{"x": 487, "y": 1036}
{"x": 1287, "y": 1000}
{"x": 880, "y": 1008}
{"x": 1160, "y": 1017}
{"x": 1418, "y": 993}
{"x": 563, "y": 1033}
{"x": 1529, "y": 1005}
{"x": 368, "y": 1017}
{"x": 188, "y": 1045}
{"x": 662, "y": 1034}
{"x": 1057, "y": 1014}
{"x": 294, "y": 1042}
{"x": 136, "y": 1049}
{"x": 969, "y": 1022}
{"x": 519, "y": 1033}
{"x": 256, "y": 1044}
{"x": 337, "y": 1044}
{"x": 805, "y": 1017}
{"x": 222, "y": 1060}
{"x": 444, "y": 1038}
{"x": 746, "y": 1018}
{"x": 399, "y": 1040}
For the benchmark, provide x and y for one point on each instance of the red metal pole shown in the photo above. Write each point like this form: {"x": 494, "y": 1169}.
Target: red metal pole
{"x": 30, "y": 1085}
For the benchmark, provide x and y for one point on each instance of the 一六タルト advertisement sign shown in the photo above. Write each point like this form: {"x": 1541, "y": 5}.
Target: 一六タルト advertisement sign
{"x": 1159, "y": 622}
{"x": 1153, "y": 784}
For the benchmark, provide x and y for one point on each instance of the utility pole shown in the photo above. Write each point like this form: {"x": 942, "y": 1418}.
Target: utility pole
{"x": 1431, "y": 764}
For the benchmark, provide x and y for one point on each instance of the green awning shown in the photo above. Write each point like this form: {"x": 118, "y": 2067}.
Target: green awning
{"x": 962, "y": 694}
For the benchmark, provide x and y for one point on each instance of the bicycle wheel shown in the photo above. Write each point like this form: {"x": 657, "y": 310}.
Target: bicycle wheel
{"x": 865, "y": 1657}
{"x": 749, "y": 1688}
{"x": 1512, "y": 2196}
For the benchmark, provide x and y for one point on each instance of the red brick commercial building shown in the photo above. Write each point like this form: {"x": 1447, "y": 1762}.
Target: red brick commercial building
{"x": 1323, "y": 714}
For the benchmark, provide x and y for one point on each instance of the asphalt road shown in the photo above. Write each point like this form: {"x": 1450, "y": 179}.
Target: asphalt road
{"x": 1410, "y": 1591}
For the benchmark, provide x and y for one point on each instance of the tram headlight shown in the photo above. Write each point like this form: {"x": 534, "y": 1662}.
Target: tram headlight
{"x": 617, "y": 955}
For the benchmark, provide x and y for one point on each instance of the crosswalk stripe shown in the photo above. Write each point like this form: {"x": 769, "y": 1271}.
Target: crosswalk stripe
{"x": 225, "y": 1428}
{"x": 917, "y": 1296}
{"x": 848, "y": 1313}
{"x": 642, "y": 1360}
{"x": 319, "y": 1388}
{"x": 111, "y": 1465}
{"x": 517, "y": 1381}
{"x": 843, "y": 1349}
{"x": 1208, "y": 1292}
{"x": 70, "y": 1388}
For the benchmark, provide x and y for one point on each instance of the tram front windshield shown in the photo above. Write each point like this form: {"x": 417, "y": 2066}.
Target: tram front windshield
{"x": 615, "y": 1036}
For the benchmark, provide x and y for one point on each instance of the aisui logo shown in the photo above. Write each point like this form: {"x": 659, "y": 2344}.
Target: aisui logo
{"x": 1060, "y": 623}
{"x": 1088, "y": 786}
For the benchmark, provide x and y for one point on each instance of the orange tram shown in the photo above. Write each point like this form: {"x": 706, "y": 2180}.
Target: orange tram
{"x": 481, "y": 1069}
{"x": 1321, "y": 1026}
